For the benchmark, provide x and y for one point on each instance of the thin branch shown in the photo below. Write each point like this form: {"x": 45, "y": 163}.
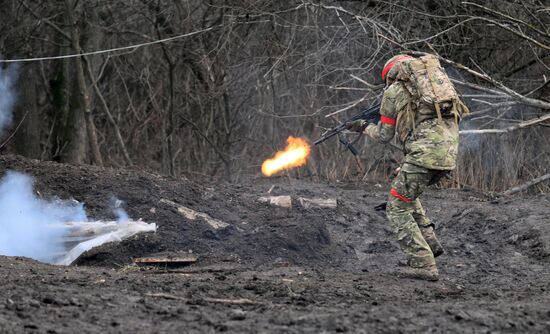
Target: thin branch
{"x": 439, "y": 33}
{"x": 48, "y": 22}
{"x": 518, "y": 126}
{"x": 348, "y": 107}
{"x": 107, "y": 111}
{"x": 527, "y": 185}
{"x": 514, "y": 31}
{"x": 368, "y": 84}
{"x": 513, "y": 19}
{"x": 238, "y": 301}
{"x": 477, "y": 87}
{"x": 525, "y": 100}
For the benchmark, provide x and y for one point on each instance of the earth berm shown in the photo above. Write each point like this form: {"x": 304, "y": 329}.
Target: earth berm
{"x": 280, "y": 270}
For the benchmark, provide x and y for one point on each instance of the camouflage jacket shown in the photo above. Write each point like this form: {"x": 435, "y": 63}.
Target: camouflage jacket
{"x": 431, "y": 144}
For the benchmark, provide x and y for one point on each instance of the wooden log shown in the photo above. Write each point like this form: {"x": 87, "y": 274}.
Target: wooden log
{"x": 284, "y": 201}
{"x": 193, "y": 215}
{"x": 329, "y": 203}
{"x": 527, "y": 185}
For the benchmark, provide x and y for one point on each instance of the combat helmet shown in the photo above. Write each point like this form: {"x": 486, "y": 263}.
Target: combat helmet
{"x": 391, "y": 63}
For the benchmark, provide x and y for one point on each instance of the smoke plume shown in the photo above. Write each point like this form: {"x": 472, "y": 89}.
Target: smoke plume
{"x": 8, "y": 78}
{"x": 117, "y": 206}
{"x": 30, "y": 226}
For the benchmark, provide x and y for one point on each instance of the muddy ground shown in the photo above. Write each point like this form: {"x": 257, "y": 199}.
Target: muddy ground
{"x": 277, "y": 270}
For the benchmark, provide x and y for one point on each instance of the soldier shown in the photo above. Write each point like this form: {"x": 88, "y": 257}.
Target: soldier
{"x": 421, "y": 105}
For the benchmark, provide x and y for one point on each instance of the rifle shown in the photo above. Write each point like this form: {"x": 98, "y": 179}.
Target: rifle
{"x": 370, "y": 115}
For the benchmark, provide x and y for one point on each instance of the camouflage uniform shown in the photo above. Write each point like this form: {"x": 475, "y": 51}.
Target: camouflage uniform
{"x": 430, "y": 152}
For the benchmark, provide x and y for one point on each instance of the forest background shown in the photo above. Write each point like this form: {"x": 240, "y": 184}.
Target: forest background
{"x": 238, "y": 77}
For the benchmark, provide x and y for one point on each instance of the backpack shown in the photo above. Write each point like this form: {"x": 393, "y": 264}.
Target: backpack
{"x": 428, "y": 83}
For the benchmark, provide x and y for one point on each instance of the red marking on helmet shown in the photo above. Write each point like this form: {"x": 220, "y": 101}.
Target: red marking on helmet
{"x": 388, "y": 120}
{"x": 390, "y": 65}
{"x": 394, "y": 193}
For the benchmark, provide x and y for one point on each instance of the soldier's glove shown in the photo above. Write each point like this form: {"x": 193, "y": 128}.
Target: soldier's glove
{"x": 357, "y": 126}
{"x": 394, "y": 174}
{"x": 396, "y": 171}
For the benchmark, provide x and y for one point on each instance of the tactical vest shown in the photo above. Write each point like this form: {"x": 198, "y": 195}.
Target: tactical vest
{"x": 431, "y": 91}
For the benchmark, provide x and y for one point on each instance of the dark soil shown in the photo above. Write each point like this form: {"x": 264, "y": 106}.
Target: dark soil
{"x": 280, "y": 270}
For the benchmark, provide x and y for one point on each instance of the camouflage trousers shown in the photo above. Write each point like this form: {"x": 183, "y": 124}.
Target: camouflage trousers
{"x": 406, "y": 214}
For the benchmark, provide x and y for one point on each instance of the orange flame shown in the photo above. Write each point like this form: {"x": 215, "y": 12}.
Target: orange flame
{"x": 294, "y": 155}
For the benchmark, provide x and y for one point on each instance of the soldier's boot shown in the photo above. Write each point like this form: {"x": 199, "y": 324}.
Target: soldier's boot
{"x": 427, "y": 273}
{"x": 429, "y": 235}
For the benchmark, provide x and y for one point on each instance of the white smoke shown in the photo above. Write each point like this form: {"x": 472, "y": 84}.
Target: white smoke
{"x": 8, "y": 78}
{"x": 117, "y": 206}
{"x": 30, "y": 226}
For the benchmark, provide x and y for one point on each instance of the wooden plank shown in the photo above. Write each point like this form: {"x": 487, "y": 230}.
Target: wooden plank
{"x": 166, "y": 260}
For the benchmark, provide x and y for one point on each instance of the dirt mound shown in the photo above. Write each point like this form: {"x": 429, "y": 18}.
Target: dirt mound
{"x": 248, "y": 231}
{"x": 269, "y": 269}
{"x": 253, "y": 232}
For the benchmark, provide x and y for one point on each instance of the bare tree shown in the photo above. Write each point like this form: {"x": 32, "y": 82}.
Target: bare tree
{"x": 239, "y": 77}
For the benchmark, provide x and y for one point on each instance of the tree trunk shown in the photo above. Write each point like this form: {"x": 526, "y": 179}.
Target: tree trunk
{"x": 27, "y": 138}
{"x": 73, "y": 127}
{"x": 84, "y": 94}
{"x": 170, "y": 129}
{"x": 68, "y": 138}
{"x": 168, "y": 158}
